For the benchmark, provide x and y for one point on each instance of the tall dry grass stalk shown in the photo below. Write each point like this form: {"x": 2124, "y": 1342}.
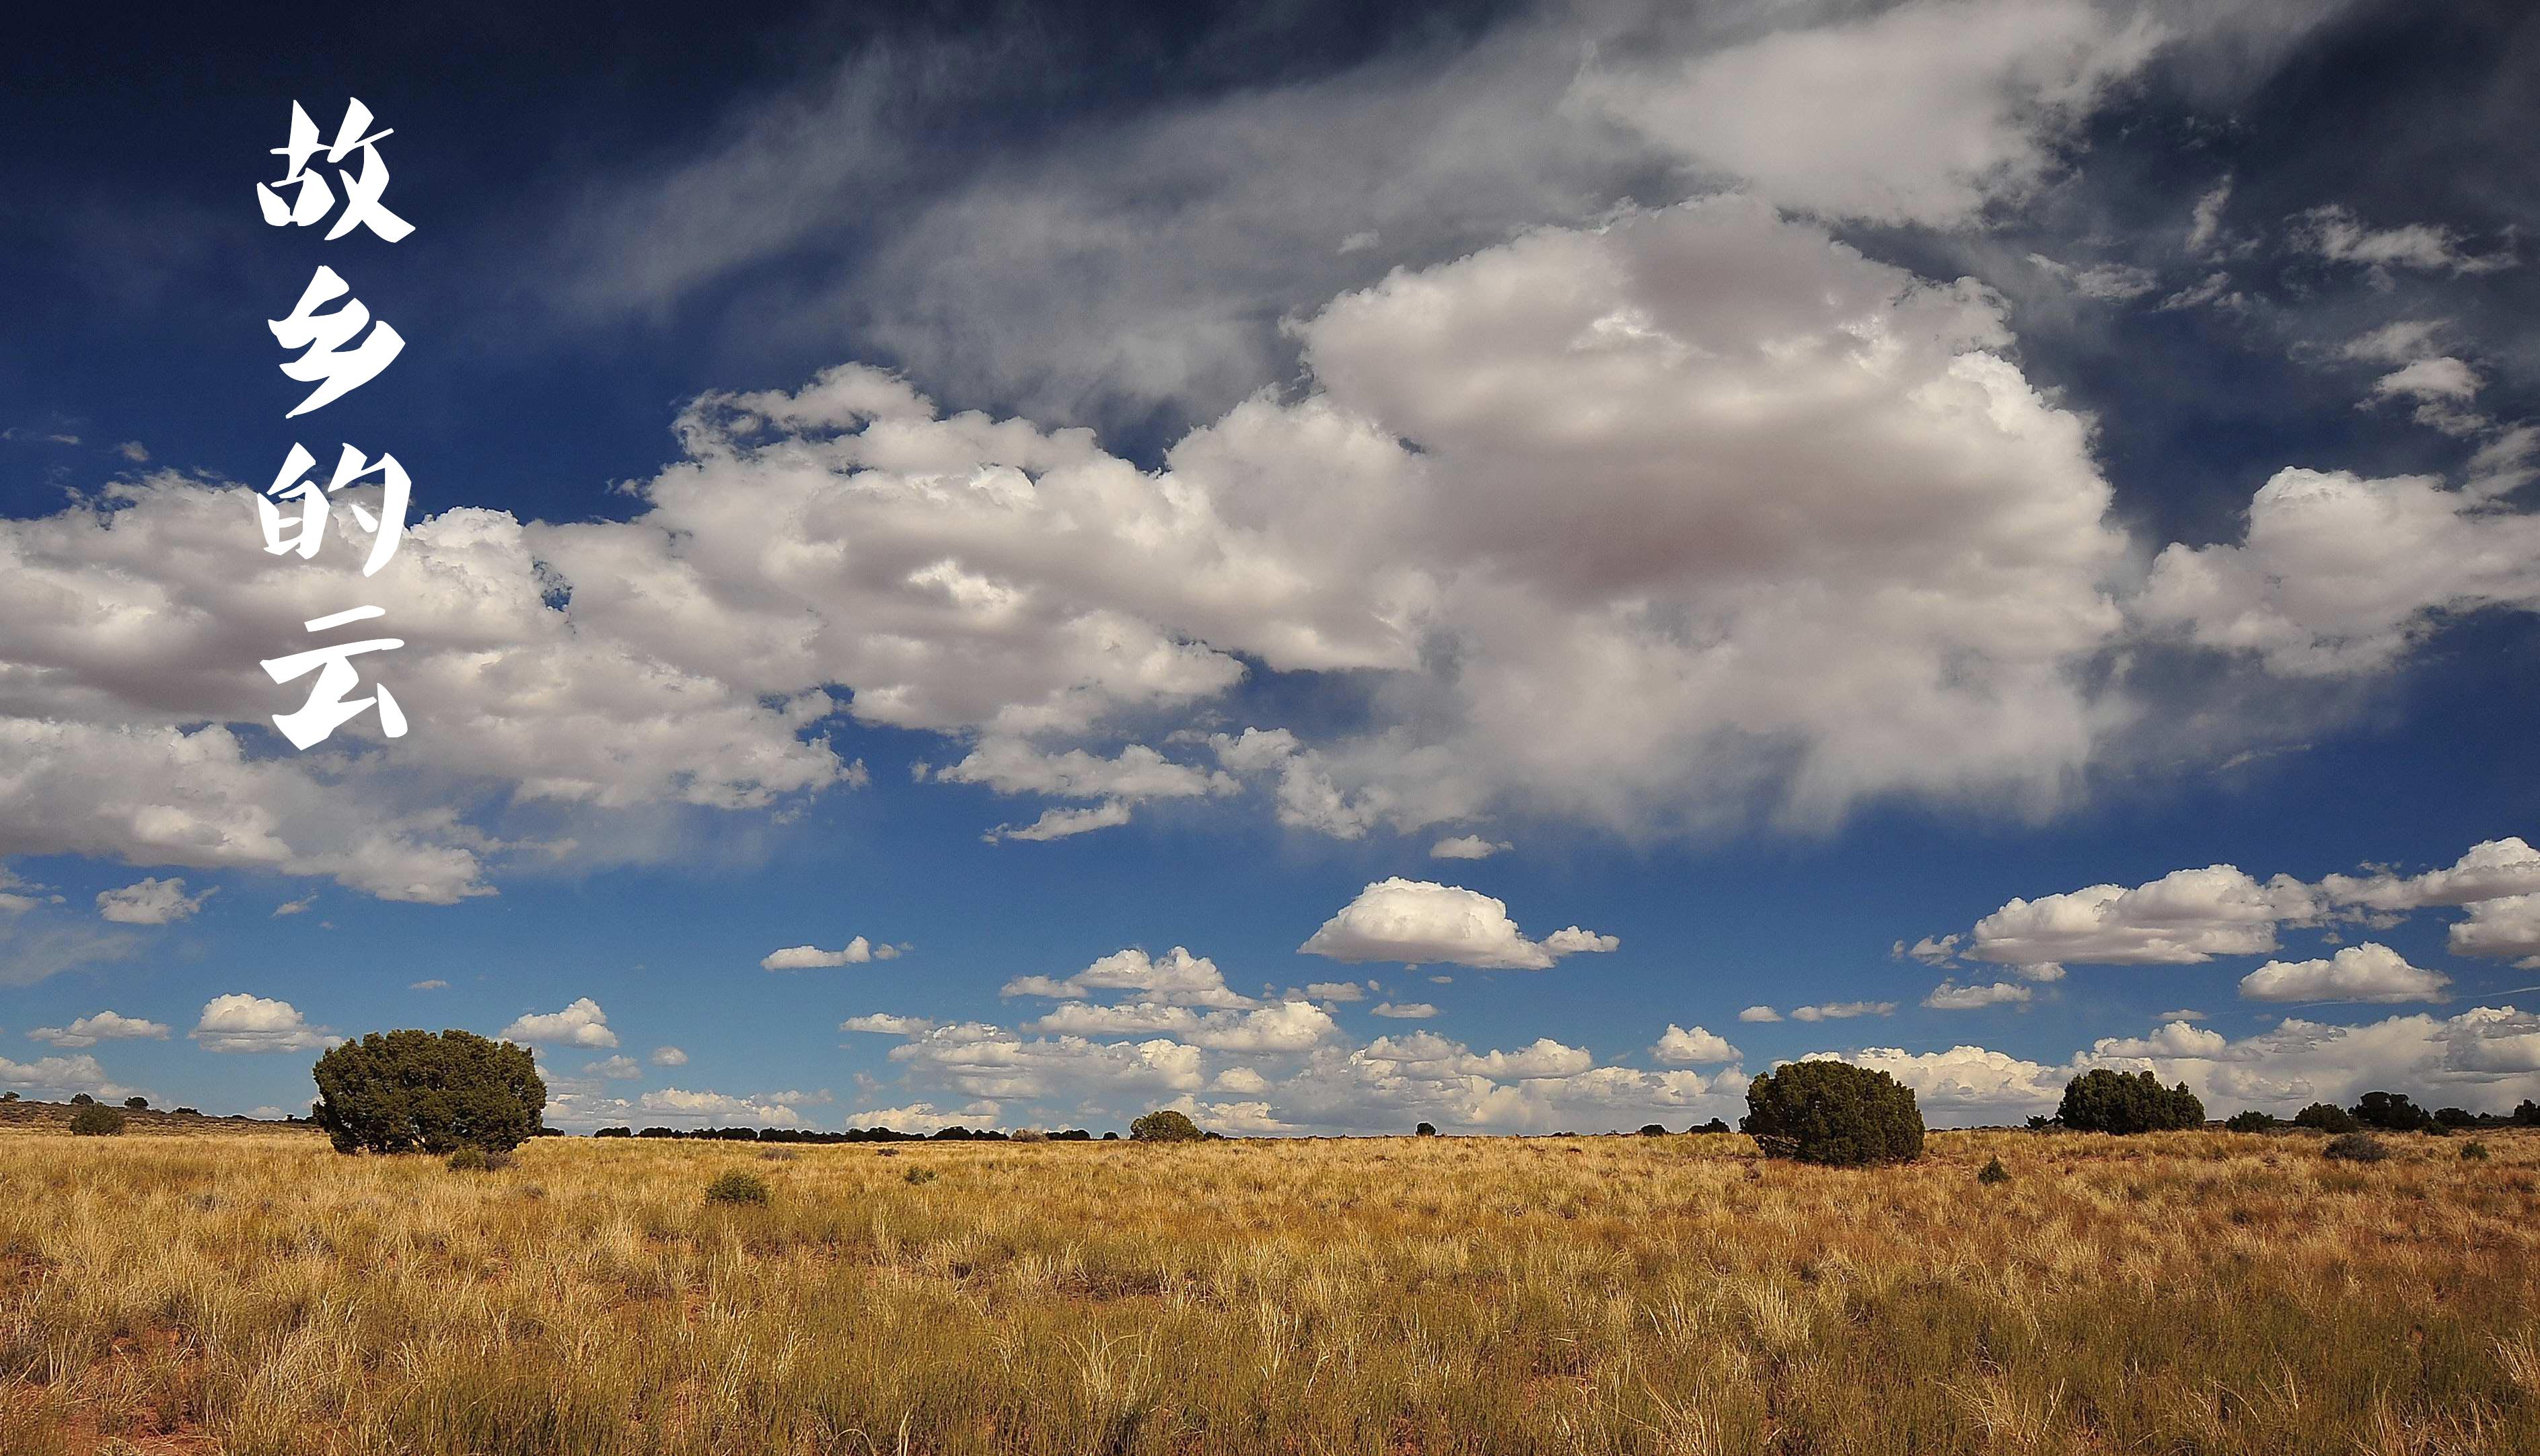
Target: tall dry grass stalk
{"x": 2185, "y": 1293}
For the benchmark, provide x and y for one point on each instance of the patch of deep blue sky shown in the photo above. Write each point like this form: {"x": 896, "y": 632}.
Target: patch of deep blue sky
{"x": 141, "y": 279}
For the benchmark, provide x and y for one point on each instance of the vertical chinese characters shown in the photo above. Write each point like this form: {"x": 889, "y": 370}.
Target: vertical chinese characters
{"x": 338, "y": 356}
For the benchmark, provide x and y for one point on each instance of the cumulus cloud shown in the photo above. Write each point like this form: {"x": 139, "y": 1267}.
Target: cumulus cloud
{"x": 1176, "y": 978}
{"x": 2184, "y": 918}
{"x": 1404, "y": 1010}
{"x": 581, "y": 1024}
{"x": 433, "y": 984}
{"x": 1759, "y": 1013}
{"x": 680, "y": 1104}
{"x": 2335, "y": 232}
{"x": 1061, "y": 824}
{"x": 1950, "y": 996}
{"x": 2368, "y": 973}
{"x": 1964, "y": 1083}
{"x": 2506, "y": 927}
{"x": 88, "y": 1031}
{"x": 60, "y": 1078}
{"x": 2338, "y": 576}
{"x": 1468, "y": 847}
{"x": 296, "y": 907}
{"x": 925, "y": 1117}
{"x": 2486, "y": 1059}
{"x": 151, "y": 902}
{"x": 1420, "y": 923}
{"x": 1679, "y": 1046}
{"x": 881, "y": 1023}
{"x": 614, "y": 1069}
{"x": 239, "y": 1022}
{"x": 811, "y": 957}
{"x": 2492, "y": 869}
{"x": 668, "y": 1056}
{"x": 1344, "y": 991}
{"x": 2174, "y": 1038}
{"x": 1839, "y": 1010}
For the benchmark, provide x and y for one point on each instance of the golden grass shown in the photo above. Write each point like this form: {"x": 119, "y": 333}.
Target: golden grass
{"x": 2184, "y": 1292}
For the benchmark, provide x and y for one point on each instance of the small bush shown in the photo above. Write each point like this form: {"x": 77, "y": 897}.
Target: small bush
{"x": 915, "y": 1176}
{"x": 1654, "y": 1130}
{"x": 1110, "y": 1137}
{"x": 1030, "y": 1135}
{"x": 1833, "y": 1113}
{"x": 736, "y": 1187}
{"x": 2253, "y": 1121}
{"x": 12, "y": 1097}
{"x": 1994, "y": 1172}
{"x": 2356, "y": 1147}
{"x": 478, "y": 1160}
{"x": 1425, "y": 1130}
{"x": 83, "y": 1099}
{"x": 1167, "y": 1126}
{"x": 2127, "y": 1102}
{"x": 778, "y": 1156}
{"x": 190, "y": 1112}
{"x": 92, "y": 1120}
{"x": 1716, "y": 1125}
{"x": 2473, "y": 1153}
{"x": 2323, "y": 1117}
{"x": 137, "y": 1104}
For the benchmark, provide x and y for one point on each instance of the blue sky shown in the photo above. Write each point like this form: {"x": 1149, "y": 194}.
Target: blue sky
{"x": 1035, "y": 489}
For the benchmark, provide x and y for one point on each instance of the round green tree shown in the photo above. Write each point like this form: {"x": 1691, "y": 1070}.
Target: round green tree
{"x": 1834, "y": 1113}
{"x": 422, "y": 1091}
{"x": 1167, "y": 1126}
{"x": 2104, "y": 1101}
{"x": 94, "y": 1120}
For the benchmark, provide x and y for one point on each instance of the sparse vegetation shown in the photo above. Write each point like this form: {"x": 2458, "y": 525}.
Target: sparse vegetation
{"x": 2475, "y": 1152}
{"x": 736, "y": 1187}
{"x": 1167, "y": 1126}
{"x": 1994, "y": 1172}
{"x": 137, "y": 1104}
{"x": 2251, "y": 1122}
{"x": 478, "y": 1160}
{"x": 421, "y": 1091}
{"x": 92, "y": 1120}
{"x": 2356, "y": 1147}
{"x": 2323, "y": 1117}
{"x": 253, "y": 1294}
{"x": 2126, "y": 1103}
{"x": 1833, "y": 1113}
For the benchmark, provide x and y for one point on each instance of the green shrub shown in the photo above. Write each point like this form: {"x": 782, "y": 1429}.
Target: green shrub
{"x": 916, "y": 1176}
{"x": 2473, "y": 1153}
{"x": 92, "y": 1120}
{"x": 736, "y": 1187}
{"x": 1834, "y": 1113}
{"x": 1994, "y": 1172}
{"x": 2251, "y": 1121}
{"x": 1425, "y": 1130}
{"x": 1654, "y": 1130}
{"x": 2355, "y": 1148}
{"x": 82, "y": 1099}
{"x": 2323, "y": 1117}
{"x": 409, "y": 1091}
{"x": 2126, "y": 1102}
{"x": 1030, "y": 1135}
{"x": 478, "y": 1160}
{"x": 1167, "y": 1126}
{"x": 137, "y": 1104}
{"x": 2392, "y": 1112}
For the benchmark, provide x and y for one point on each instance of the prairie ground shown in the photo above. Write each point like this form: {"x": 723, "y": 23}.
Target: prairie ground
{"x": 2180, "y": 1292}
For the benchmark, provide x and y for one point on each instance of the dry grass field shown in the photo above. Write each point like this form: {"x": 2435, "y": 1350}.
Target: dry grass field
{"x": 2180, "y": 1293}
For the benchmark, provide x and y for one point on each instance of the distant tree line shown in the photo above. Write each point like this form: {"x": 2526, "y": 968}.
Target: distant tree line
{"x": 850, "y": 1134}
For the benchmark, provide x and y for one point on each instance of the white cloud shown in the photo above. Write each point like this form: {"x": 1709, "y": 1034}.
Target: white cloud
{"x": 151, "y": 902}
{"x": 668, "y": 1056}
{"x": 2338, "y": 576}
{"x": 434, "y": 984}
{"x": 2492, "y": 869}
{"x": 59, "y": 1077}
{"x": 990, "y": 1061}
{"x": 1843, "y": 1010}
{"x": 2205, "y": 223}
{"x": 1285, "y": 1026}
{"x": 1759, "y": 1013}
{"x": 679, "y": 1104}
{"x": 2336, "y": 233}
{"x": 1083, "y": 1019}
{"x": 1965, "y": 1083}
{"x": 1930, "y": 950}
{"x": 1468, "y": 847}
{"x": 88, "y": 1031}
{"x": 1343, "y": 991}
{"x": 2184, "y": 918}
{"x": 1242, "y": 1080}
{"x": 2111, "y": 282}
{"x": 2507, "y": 927}
{"x": 1950, "y": 996}
{"x": 238, "y": 1023}
{"x": 1058, "y": 823}
{"x": 614, "y": 1069}
{"x": 2180, "y": 1015}
{"x": 1404, "y": 1010}
{"x": 885, "y": 1025}
{"x": 581, "y": 1024}
{"x": 2367, "y": 972}
{"x": 1178, "y": 978}
{"x": 1419, "y": 923}
{"x": 1922, "y": 113}
{"x": 296, "y": 907}
{"x": 2484, "y": 1059}
{"x": 1679, "y": 1046}
{"x": 925, "y": 1117}
{"x": 857, "y": 953}
{"x": 2174, "y": 1038}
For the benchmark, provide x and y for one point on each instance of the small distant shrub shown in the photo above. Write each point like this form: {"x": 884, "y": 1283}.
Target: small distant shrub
{"x": 1110, "y": 1137}
{"x": 1716, "y": 1125}
{"x": 2356, "y": 1147}
{"x": 478, "y": 1160}
{"x": 190, "y": 1112}
{"x": 886, "y": 1153}
{"x": 2323, "y": 1117}
{"x": 736, "y": 1187}
{"x": 2473, "y": 1153}
{"x": 1654, "y": 1130}
{"x": 1425, "y": 1130}
{"x": 2526, "y": 1113}
{"x": 137, "y": 1104}
{"x": 2126, "y": 1102}
{"x": 1833, "y": 1113}
{"x": 1030, "y": 1134}
{"x": 2037, "y": 1123}
{"x": 1167, "y": 1126}
{"x": 1994, "y": 1172}
{"x": 778, "y": 1156}
{"x": 92, "y": 1120}
{"x": 12, "y": 1097}
{"x": 2392, "y": 1112}
{"x": 83, "y": 1099}
{"x": 2251, "y": 1121}
{"x": 921, "y": 1175}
